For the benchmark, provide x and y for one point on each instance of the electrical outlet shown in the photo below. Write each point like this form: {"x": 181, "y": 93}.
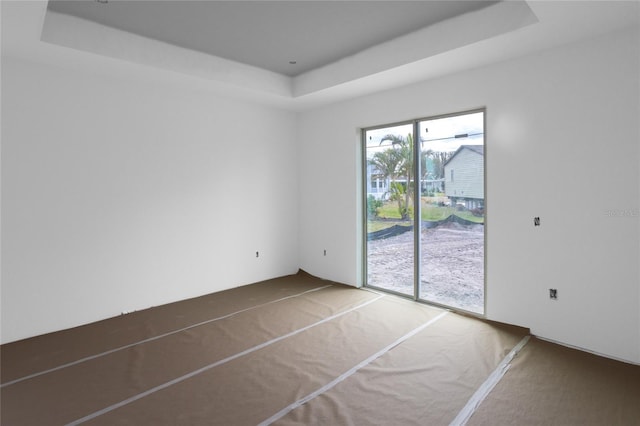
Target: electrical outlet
{"x": 553, "y": 293}
{"x": 257, "y": 254}
{"x": 536, "y": 221}
{"x": 325, "y": 252}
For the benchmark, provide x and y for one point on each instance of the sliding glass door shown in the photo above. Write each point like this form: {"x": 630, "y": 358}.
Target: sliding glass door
{"x": 452, "y": 211}
{"x": 390, "y": 188}
{"x": 425, "y": 207}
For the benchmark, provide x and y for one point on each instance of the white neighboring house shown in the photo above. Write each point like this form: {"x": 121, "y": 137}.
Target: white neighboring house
{"x": 377, "y": 185}
{"x": 464, "y": 177}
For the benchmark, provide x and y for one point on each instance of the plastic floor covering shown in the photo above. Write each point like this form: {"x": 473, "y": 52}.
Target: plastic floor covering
{"x": 300, "y": 350}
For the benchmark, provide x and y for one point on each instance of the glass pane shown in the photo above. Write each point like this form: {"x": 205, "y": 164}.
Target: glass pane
{"x": 452, "y": 211}
{"x": 390, "y": 186}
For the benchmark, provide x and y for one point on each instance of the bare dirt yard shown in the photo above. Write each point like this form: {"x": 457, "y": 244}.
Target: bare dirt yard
{"x": 452, "y": 265}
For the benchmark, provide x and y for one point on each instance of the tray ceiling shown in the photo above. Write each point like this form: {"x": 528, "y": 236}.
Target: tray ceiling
{"x": 286, "y": 37}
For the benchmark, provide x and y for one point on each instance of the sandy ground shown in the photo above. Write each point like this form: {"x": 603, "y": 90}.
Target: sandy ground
{"x": 452, "y": 271}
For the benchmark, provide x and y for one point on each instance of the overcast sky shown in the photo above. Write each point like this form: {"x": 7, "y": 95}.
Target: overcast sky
{"x": 441, "y": 129}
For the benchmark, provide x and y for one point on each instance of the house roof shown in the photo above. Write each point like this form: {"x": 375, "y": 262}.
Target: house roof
{"x": 479, "y": 149}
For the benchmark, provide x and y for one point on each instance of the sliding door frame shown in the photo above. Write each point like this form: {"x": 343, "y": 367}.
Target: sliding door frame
{"x": 417, "y": 208}
{"x": 363, "y": 138}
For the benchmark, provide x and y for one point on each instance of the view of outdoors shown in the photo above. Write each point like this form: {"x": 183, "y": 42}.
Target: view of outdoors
{"x": 449, "y": 223}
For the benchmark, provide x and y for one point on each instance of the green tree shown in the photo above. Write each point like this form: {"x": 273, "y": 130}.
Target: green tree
{"x": 439, "y": 158}
{"x": 387, "y": 163}
{"x": 424, "y": 165}
{"x": 402, "y": 149}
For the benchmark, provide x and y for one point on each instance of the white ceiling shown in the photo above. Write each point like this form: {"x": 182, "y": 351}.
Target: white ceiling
{"x": 376, "y": 60}
{"x": 270, "y": 34}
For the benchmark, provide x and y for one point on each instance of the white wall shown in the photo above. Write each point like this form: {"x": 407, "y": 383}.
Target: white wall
{"x": 562, "y": 144}
{"x": 120, "y": 194}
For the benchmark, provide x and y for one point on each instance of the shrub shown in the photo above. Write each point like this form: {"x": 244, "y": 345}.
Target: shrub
{"x": 479, "y": 212}
{"x": 373, "y": 205}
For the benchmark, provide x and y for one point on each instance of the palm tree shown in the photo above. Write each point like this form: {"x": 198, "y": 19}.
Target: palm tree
{"x": 402, "y": 149}
{"x": 386, "y": 162}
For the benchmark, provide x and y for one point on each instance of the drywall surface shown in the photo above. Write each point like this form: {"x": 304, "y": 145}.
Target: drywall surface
{"x": 118, "y": 194}
{"x": 562, "y": 144}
